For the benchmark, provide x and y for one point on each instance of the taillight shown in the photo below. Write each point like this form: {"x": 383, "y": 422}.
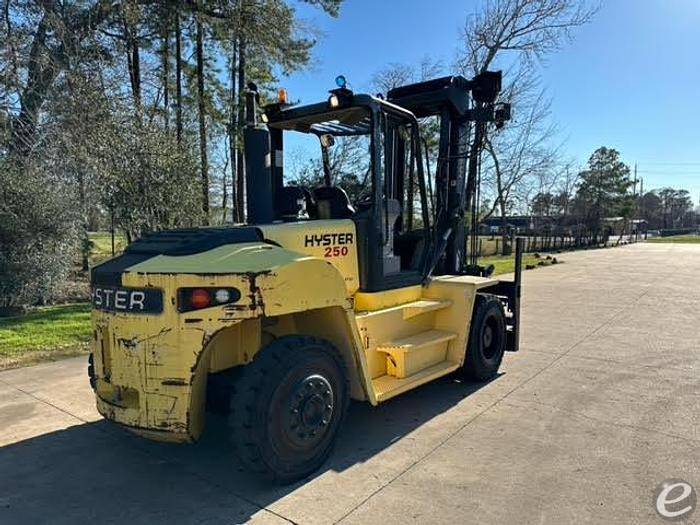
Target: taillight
{"x": 200, "y": 298}
{"x": 197, "y": 298}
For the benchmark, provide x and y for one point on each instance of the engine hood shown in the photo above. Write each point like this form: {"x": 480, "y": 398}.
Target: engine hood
{"x": 174, "y": 248}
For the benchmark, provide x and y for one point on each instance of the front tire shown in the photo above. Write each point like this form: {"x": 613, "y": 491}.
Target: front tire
{"x": 288, "y": 407}
{"x": 487, "y": 339}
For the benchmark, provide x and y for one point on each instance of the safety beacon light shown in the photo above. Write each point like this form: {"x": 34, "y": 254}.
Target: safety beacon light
{"x": 282, "y": 96}
{"x": 341, "y": 81}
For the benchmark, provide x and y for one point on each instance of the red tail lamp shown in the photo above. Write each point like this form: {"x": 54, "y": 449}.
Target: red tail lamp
{"x": 198, "y": 298}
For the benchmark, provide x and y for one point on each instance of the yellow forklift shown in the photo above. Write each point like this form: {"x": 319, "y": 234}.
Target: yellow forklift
{"x": 316, "y": 300}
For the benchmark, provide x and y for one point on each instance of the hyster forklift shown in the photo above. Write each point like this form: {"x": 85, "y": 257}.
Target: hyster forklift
{"x": 316, "y": 300}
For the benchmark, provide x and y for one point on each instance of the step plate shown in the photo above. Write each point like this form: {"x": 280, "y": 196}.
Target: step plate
{"x": 412, "y": 354}
{"x": 386, "y": 387}
{"x": 423, "y": 306}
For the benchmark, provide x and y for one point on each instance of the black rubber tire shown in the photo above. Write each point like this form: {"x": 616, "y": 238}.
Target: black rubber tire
{"x": 487, "y": 339}
{"x": 91, "y": 371}
{"x": 269, "y": 437}
{"x": 220, "y": 385}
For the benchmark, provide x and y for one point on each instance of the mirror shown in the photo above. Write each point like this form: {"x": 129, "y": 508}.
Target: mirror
{"x": 326, "y": 142}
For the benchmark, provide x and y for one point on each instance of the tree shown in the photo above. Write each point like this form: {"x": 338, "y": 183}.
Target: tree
{"x": 201, "y": 114}
{"x": 49, "y": 36}
{"x": 675, "y": 205}
{"x": 566, "y": 185}
{"x": 603, "y": 190}
{"x": 349, "y": 167}
{"x": 38, "y": 235}
{"x": 266, "y": 37}
{"x": 89, "y": 93}
{"x": 515, "y": 33}
{"x": 667, "y": 208}
{"x": 650, "y": 209}
{"x": 543, "y": 204}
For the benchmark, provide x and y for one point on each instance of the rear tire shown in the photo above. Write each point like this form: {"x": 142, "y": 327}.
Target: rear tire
{"x": 487, "y": 339}
{"x": 91, "y": 371}
{"x": 288, "y": 406}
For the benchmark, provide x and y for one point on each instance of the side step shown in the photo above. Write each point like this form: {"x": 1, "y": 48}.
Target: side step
{"x": 414, "y": 353}
{"x": 386, "y": 387}
{"x": 423, "y": 306}
{"x": 408, "y": 310}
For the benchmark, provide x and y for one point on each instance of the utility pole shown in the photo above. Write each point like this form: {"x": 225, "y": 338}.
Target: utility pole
{"x": 635, "y": 210}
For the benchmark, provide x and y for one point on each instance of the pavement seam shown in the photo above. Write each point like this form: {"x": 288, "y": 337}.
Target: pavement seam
{"x": 604, "y": 324}
{"x": 521, "y": 403}
{"x": 613, "y": 361}
{"x": 43, "y": 401}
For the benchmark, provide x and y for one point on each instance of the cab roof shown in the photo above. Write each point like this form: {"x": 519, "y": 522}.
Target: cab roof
{"x": 353, "y": 117}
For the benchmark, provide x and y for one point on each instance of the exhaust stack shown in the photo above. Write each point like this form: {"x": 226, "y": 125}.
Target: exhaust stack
{"x": 258, "y": 170}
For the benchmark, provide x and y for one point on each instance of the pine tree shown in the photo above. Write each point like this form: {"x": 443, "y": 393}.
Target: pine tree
{"x": 604, "y": 188}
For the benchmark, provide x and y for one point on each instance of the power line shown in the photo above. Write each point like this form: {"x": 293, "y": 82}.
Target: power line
{"x": 670, "y": 172}
{"x": 662, "y": 162}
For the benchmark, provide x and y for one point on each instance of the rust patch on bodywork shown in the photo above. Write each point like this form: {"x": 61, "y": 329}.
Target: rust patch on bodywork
{"x": 133, "y": 342}
{"x": 255, "y": 299}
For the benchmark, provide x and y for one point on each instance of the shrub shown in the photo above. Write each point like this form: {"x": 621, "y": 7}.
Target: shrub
{"x": 37, "y": 234}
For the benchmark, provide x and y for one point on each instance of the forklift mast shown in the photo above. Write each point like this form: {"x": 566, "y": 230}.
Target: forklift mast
{"x": 449, "y": 99}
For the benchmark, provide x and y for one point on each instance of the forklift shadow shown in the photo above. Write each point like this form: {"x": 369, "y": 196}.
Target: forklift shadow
{"x": 98, "y": 471}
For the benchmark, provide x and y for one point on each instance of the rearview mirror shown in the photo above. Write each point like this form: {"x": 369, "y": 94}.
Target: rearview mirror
{"x": 327, "y": 140}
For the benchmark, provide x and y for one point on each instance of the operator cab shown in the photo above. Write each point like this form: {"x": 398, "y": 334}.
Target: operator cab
{"x": 397, "y": 244}
{"x": 387, "y": 202}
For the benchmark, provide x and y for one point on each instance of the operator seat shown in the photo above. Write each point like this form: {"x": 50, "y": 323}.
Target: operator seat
{"x": 333, "y": 203}
{"x": 294, "y": 203}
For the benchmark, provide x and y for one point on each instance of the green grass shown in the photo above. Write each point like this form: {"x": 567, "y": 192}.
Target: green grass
{"x": 687, "y": 239}
{"x": 57, "y": 331}
{"x": 45, "y": 333}
{"x": 102, "y": 245}
{"x": 506, "y": 264}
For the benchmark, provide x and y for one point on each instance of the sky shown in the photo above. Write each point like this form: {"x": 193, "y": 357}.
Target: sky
{"x": 630, "y": 79}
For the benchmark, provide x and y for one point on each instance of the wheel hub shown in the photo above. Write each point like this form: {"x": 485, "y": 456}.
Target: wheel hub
{"x": 310, "y": 410}
{"x": 491, "y": 338}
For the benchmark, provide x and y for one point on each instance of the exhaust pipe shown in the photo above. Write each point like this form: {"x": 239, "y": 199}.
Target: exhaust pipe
{"x": 258, "y": 170}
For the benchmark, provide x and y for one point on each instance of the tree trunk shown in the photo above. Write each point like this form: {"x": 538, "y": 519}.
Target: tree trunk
{"x": 133, "y": 59}
{"x": 504, "y": 224}
{"x": 85, "y": 240}
{"x": 44, "y": 64}
{"x": 202, "y": 122}
{"x": 178, "y": 78}
{"x": 240, "y": 161}
{"x": 224, "y": 197}
{"x": 503, "y": 209}
{"x": 42, "y": 69}
{"x": 136, "y": 64}
{"x": 166, "y": 77}
{"x": 233, "y": 132}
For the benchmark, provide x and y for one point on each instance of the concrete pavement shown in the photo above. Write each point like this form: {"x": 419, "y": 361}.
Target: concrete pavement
{"x": 600, "y": 406}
